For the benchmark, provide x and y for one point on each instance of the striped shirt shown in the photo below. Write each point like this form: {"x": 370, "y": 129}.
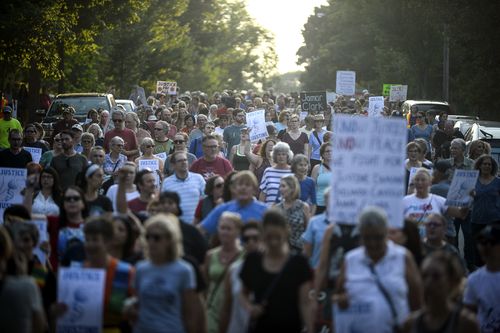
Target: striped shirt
{"x": 270, "y": 183}
{"x": 190, "y": 190}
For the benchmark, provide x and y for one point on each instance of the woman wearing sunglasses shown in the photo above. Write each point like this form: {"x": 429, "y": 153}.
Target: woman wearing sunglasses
{"x": 147, "y": 149}
{"x": 57, "y": 149}
{"x": 165, "y": 284}
{"x": 66, "y": 227}
{"x": 214, "y": 189}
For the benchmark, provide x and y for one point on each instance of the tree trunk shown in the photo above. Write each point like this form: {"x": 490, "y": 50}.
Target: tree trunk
{"x": 27, "y": 115}
{"x": 60, "y": 52}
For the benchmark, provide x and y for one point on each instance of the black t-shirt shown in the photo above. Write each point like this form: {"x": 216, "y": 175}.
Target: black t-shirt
{"x": 9, "y": 160}
{"x": 100, "y": 205}
{"x": 281, "y": 312}
{"x": 195, "y": 245}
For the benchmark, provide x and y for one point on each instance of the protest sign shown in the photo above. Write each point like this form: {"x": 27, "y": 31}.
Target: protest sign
{"x": 413, "y": 172}
{"x": 163, "y": 156}
{"x": 41, "y": 225}
{"x": 138, "y": 95}
{"x": 256, "y": 123}
{"x": 153, "y": 165}
{"x": 464, "y": 181}
{"x": 367, "y": 167}
{"x": 303, "y": 115}
{"x": 331, "y": 97}
{"x": 313, "y": 102}
{"x": 36, "y": 153}
{"x": 375, "y": 106}
{"x": 12, "y": 182}
{"x": 82, "y": 290}
{"x": 167, "y": 88}
{"x": 346, "y": 83}
{"x": 398, "y": 93}
{"x": 386, "y": 88}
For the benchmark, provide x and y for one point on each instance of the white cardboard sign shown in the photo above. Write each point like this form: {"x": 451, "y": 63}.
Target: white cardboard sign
{"x": 376, "y": 106}
{"x": 398, "y": 93}
{"x": 256, "y": 123}
{"x": 346, "y": 83}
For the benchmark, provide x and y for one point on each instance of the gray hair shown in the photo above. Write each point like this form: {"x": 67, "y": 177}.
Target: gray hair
{"x": 282, "y": 147}
{"x": 373, "y": 216}
{"x": 146, "y": 141}
{"x": 98, "y": 128}
{"x": 460, "y": 142}
{"x": 117, "y": 139}
{"x": 134, "y": 116}
{"x": 117, "y": 110}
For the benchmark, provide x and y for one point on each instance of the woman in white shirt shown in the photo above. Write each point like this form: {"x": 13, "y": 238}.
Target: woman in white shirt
{"x": 45, "y": 201}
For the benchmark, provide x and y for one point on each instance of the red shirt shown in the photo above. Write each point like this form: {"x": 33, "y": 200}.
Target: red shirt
{"x": 126, "y": 134}
{"x": 220, "y": 166}
{"x": 137, "y": 205}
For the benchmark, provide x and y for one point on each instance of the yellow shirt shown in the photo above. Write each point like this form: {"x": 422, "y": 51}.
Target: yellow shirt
{"x": 5, "y": 127}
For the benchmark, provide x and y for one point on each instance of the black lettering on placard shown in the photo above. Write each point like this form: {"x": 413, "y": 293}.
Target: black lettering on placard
{"x": 313, "y": 102}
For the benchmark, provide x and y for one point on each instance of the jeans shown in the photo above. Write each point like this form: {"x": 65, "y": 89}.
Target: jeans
{"x": 469, "y": 243}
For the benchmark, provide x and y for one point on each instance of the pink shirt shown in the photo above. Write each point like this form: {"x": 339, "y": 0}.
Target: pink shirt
{"x": 220, "y": 166}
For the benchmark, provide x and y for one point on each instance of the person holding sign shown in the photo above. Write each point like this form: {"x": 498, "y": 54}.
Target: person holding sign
{"x": 421, "y": 204}
{"x": 31, "y": 138}
{"x": 147, "y": 147}
{"x": 165, "y": 283}
{"x": 486, "y": 204}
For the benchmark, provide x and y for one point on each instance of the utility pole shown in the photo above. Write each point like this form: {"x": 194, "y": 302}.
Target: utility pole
{"x": 446, "y": 64}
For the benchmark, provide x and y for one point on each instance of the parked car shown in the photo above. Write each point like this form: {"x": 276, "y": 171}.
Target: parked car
{"x": 81, "y": 102}
{"x": 488, "y": 131}
{"x": 128, "y": 104}
{"x": 423, "y": 105}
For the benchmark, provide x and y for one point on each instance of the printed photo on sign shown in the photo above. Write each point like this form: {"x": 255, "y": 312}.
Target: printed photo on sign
{"x": 153, "y": 165}
{"x": 376, "y": 106}
{"x": 367, "y": 167}
{"x": 36, "y": 153}
{"x": 82, "y": 291}
{"x": 398, "y": 93}
{"x": 12, "y": 182}
{"x": 256, "y": 124}
{"x": 167, "y": 88}
{"x": 464, "y": 181}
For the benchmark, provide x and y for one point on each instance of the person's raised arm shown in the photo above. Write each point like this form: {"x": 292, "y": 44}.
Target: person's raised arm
{"x": 415, "y": 294}
{"x": 121, "y": 195}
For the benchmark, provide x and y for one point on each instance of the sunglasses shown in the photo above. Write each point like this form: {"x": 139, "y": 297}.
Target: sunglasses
{"x": 219, "y": 185}
{"x": 118, "y": 120}
{"x": 158, "y": 129}
{"x": 75, "y": 198}
{"x": 154, "y": 237}
{"x": 248, "y": 238}
{"x": 178, "y": 142}
{"x": 148, "y": 146}
{"x": 433, "y": 224}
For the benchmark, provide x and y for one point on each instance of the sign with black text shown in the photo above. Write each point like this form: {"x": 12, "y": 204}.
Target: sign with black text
{"x": 313, "y": 102}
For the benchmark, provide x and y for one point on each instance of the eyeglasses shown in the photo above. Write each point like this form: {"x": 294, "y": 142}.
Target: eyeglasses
{"x": 433, "y": 224}
{"x": 154, "y": 237}
{"x": 178, "y": 142}
{"x": 158, "y": 129}
{"x": 118, "y": 120}
{"x": 75, "y": 198}
{"x": 220, "y": 185}
{"x": 211, "y": 147}
{"x": 247, "y": 238}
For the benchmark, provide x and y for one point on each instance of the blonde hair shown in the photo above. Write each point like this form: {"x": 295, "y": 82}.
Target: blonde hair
{"x": 235, "y": 218}
{"x": 169, "y": 224}
{"x": 293, "y": 183}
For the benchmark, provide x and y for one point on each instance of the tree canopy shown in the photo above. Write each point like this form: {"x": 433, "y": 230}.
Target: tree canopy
{"x": 393, "y": 41}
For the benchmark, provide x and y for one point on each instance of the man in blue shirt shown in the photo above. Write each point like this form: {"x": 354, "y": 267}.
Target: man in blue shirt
{"x": 245, "y": 204}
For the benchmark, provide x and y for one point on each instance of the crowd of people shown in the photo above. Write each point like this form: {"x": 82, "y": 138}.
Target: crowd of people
{"x": 199, "y": 229}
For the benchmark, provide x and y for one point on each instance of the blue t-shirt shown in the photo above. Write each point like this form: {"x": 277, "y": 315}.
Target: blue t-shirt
{"x": 196, "y": 148}
{"x": 314, "y": 236}
{"x": 308, "y": 190}
{"x": 160, "y": 289}
{"x": 486, "y": 206}
{"x": 254, "y": 210}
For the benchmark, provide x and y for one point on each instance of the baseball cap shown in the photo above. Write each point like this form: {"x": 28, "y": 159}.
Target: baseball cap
{"x": 7, "y": 109}
{"x": 77, "y": 127}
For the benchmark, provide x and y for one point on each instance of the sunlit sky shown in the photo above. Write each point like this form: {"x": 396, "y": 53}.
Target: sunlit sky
{"x": 286, "y": 19}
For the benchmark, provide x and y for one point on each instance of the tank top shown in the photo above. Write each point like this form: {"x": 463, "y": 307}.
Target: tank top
{"x": 259, "y": 172}
{"x": 322, "y": 182}
{"x": 240, "y": 162}
{"x": 295, "y": 217}
{"x": 449, "y": 326}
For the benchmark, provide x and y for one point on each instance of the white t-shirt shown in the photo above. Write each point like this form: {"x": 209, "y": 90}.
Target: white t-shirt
{"x": 111, "y": 194}
{"x": 419, "y": 209}
{"x": 483, "y": 291}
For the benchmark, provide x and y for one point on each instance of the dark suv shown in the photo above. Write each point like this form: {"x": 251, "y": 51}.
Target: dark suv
{"x": 81, "y": 102}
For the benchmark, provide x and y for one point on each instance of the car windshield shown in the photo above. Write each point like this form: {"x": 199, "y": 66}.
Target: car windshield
{"x": 127, "y": 106}
{"x": 489, "y": 132}
{"x": 81, "y": 104}
{"x": 438, "y": 107}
